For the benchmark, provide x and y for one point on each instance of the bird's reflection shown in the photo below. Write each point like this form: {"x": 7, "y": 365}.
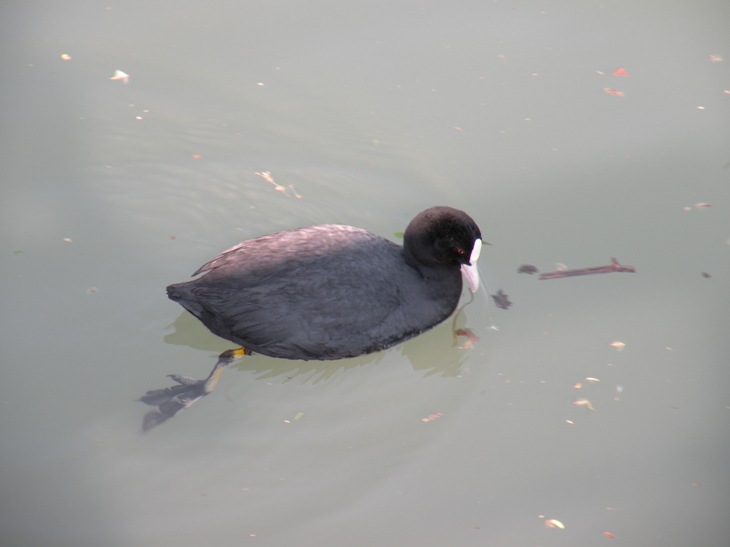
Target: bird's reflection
{"x": 444, "y": 355}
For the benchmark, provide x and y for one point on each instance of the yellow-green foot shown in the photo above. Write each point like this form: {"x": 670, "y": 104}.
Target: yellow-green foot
{"x": 171, "y": 400}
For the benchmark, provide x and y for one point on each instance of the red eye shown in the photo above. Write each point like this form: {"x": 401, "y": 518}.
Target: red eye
{"x": 460, "y": 251}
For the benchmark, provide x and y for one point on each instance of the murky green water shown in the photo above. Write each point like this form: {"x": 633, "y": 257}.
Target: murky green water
{"x": 369, "y": 112}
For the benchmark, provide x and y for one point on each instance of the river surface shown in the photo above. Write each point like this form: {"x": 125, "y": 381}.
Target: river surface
{"x": 596, "y": 407}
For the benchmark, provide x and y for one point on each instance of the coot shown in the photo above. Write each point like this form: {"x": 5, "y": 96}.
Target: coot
{"x": 324, "y": 292}
{"x": 331, "y": 291}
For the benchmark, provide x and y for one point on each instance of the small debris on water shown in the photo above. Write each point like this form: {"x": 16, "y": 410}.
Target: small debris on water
{"x": 554, "y": 523}
{"x": 432, "y": 417}
{"x": 614, "y": 92}
{"x": 617, "y": 345}
{"x": 527, "y": 269}
{"x": 501, "y": 300}
{"x": 584, "y": 402}
{"x": 120, "y": 76}
{"x": 266, "y": 175}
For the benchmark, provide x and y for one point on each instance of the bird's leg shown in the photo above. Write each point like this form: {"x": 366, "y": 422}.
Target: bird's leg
{"x": 171, "y": 400}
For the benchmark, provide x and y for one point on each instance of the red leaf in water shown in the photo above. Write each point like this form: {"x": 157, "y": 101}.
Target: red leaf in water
{"x": 614, "y": 92}
{"x": 432, "y": 417}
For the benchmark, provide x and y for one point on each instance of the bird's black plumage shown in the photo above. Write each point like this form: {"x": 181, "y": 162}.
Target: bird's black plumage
{"x": 332, "y": 291}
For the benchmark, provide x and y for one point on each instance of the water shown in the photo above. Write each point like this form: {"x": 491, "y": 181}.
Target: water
{"x": 372, "y": 112}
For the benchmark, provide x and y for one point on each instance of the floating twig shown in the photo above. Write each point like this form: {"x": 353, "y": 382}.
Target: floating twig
{"x": 613, "y": 267}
